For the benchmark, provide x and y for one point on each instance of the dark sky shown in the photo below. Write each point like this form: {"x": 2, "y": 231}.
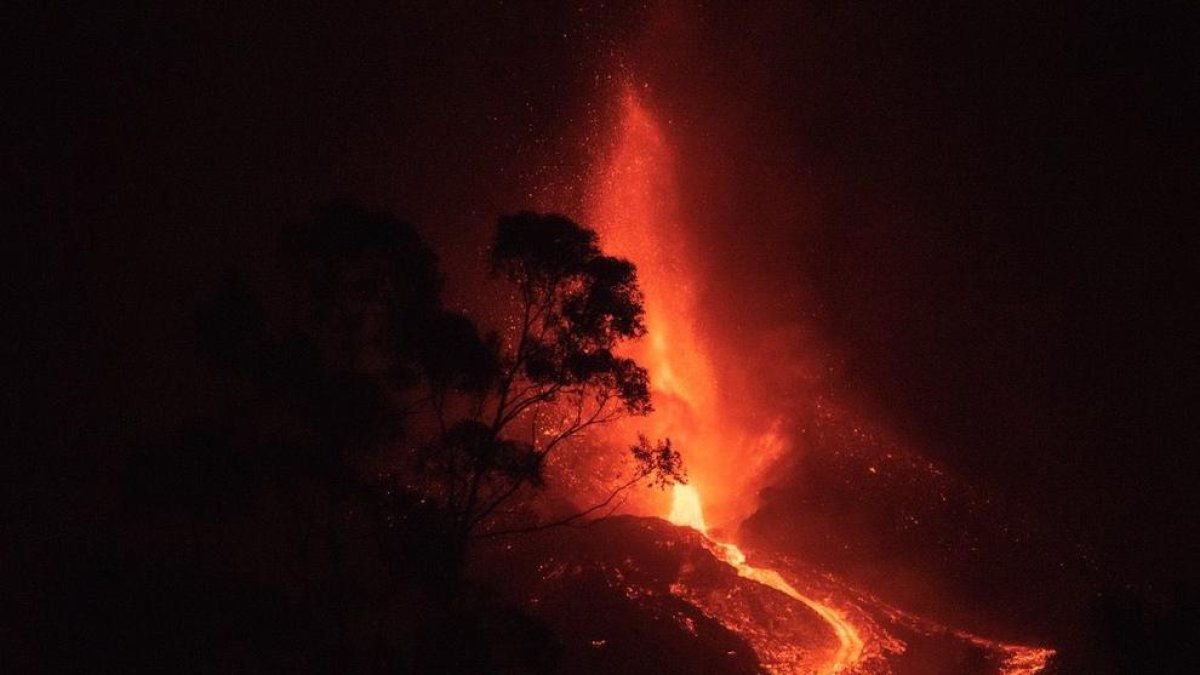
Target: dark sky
{"x": 987, "y": 211}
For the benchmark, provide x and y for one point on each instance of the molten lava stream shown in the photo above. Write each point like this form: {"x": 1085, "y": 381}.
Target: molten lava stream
{"x": 686, "y": 510}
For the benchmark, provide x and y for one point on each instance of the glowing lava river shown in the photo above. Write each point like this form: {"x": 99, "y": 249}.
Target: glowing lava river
{"x": 687, "y": 510}
{"x": 866, "y": 632}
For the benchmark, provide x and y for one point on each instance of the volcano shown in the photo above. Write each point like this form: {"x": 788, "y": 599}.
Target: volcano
{"x": 917, "y": 296}
{"x": 635, "y": 591}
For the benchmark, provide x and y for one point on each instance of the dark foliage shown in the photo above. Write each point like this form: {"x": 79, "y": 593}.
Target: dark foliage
{"x": 267, "y": 536}
{"x": 576, "y": 306}
{"x": 573, "y": 307}
{"x": 662, "y": 463}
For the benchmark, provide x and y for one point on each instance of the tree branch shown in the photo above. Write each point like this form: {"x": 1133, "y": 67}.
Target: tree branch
{"x": 569, "y": 519}
{"x": 518, "y": 358}
{"x": 522, "y": 405}
{"x": 580, "y": 424}
{"x": 503, "y": 497}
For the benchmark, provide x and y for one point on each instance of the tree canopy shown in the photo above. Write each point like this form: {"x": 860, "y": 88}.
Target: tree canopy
{"x": 555, "y": 373}
{"x": 374, "y": 363}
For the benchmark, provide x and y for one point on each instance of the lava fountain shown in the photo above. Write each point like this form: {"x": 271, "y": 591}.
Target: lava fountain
{"x": 634, "y": 204}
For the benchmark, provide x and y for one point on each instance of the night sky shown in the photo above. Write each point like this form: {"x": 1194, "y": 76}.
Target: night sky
{"x": 986, "y": 212}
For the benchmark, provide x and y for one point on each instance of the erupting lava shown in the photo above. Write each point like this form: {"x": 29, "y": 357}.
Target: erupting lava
{"x": 686, "y": 510}
{"x": 634, "y": 204}
{"x": 635, "y": 210}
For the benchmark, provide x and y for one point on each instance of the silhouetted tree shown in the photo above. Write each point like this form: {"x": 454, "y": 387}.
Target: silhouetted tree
{"x": 310, "y": 398}
{"x": 372, "y": 349}
{"x": 362, "y": 367}
{"x": 555, "y": 372}
{"x": 500, "y": 403}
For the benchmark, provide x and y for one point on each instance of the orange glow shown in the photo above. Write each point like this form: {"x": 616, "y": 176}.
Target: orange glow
{"x": 1014, "y": 659}
{"x": 633, "y": 202}
{"x": 634, "y": 207}
{"x": 687, "y": 511}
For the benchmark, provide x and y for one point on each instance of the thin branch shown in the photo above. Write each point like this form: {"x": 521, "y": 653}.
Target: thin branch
{"x": 571, "y": 428}
{"x": 504, "y": 496}
{"x": 612, "y": 510}
{"x": 518, "y": 358}
{"x": 569, "y": 519}
{"x": 526, "y": 390}
{"x": 580, "y": 424}
{"x": 408, "y": 409}
{"x": 521, "y": 406}
{"x": 437, "y": 399}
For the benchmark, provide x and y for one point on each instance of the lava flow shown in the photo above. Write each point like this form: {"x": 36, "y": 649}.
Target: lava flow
{"x": 686, "y": 510}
